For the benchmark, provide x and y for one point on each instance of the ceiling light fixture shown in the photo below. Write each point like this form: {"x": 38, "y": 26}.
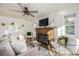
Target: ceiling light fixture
{"x": 71, "y": 19}
{"x": 62, "y": 12}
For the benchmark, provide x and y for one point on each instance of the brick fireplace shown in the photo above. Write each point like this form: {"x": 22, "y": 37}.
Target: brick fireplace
{"x": 44, "y": 35}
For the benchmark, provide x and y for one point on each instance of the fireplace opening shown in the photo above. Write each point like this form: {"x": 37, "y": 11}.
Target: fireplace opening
{"x": 43, "y": 38}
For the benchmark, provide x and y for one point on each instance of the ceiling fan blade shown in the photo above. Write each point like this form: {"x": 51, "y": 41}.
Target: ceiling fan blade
{"x": 31, "y": 15}
{"x": 33, "y": 11}
{"x": 17, "y": 11}
{"x": 21, "y": 6}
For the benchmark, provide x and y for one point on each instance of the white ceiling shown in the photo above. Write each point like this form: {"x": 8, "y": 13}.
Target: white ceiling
{"x": 43, "y": 8}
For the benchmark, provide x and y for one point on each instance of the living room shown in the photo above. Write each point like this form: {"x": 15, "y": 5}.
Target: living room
{"x": 39, "y": 29}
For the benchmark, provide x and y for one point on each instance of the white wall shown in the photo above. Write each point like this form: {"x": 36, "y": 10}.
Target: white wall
{"x": 77, "y": 26}
{"x": 7, "y": 20}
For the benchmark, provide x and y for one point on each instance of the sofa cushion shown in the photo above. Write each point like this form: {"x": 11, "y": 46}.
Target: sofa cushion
{"x": 19, "y": 45}
{"x": 5, "y": 48}
{"x": 73, "y": 45}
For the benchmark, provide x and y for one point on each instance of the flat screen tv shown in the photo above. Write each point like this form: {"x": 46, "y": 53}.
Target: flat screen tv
{"x": 44, "y": 22}
{"x": 28, "y": 33}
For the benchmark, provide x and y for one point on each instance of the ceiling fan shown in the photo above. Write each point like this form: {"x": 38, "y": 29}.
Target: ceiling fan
{"x": 25, "y": 10}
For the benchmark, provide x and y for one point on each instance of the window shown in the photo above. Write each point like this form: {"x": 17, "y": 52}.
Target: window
{"x": 70, "y": 29}
{"x": 70, "y": 24}
{"x": 61, "y": 31}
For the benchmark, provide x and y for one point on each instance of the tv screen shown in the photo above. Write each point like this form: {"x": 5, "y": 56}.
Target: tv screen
{"x": 44, "y": 22}
{"x": 28, "y": 33}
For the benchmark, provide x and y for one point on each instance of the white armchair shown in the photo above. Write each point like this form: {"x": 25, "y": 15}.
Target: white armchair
{"x": 59, "y": 50}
